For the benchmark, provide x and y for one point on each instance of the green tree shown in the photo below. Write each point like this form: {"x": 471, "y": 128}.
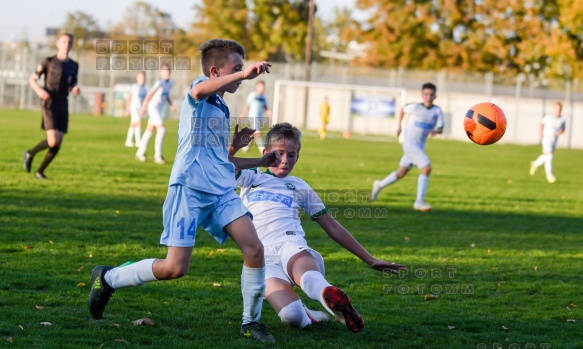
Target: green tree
{"x": 142, "y": 20}
{"x": 84, "y": 29}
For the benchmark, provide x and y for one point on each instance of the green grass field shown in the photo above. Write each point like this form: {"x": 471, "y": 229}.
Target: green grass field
{"x": 503, "y": 250}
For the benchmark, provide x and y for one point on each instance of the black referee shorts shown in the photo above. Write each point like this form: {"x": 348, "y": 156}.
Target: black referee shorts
{"x": 55, "y": 112}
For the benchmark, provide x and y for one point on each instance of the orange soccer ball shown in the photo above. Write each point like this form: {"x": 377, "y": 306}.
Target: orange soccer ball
{"x": 485, "y": 123}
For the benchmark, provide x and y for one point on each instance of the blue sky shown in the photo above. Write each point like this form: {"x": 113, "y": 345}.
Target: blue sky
{"x": 31, "y": 17}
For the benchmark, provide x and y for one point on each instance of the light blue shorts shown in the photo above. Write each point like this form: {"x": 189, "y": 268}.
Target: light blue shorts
{"x": 186, "y": 209}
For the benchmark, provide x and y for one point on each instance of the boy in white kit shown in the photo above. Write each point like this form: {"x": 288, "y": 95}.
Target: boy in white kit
{"x": 275, "y": 199}
{"x": 425, "y": 119}
{"x": 552, "y": 126}
{"x": 201, "y": 191}
{"x": 154, "y": 103}
{"x": 137, "y": 95}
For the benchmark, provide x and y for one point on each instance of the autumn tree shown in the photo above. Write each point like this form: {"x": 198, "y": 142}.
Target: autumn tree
{"x": 84, "y": 29}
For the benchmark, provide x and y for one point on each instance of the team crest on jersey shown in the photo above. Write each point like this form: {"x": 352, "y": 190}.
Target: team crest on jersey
{"x": 290, "y": 186}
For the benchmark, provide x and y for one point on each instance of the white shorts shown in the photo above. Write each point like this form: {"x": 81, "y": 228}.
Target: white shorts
{"x": 154, "y": 117}
{"x": 414, "y": 156}
{"x": 278, "y": 255}
{"x": 254, "y": 123}
{"x": 135, "y": 115}
{"x": 549, "y": 145}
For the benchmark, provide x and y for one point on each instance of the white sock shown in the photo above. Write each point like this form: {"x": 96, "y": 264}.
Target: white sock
{"x": 158, "y": 142}
{"x": 294, "y": 315}
{"x": 135, "y": 274}
{"x": 253, "y": 290}
{"x": 539, "y": 161}
{"x": 144, "y": 143}
{"x": 130, "y": 135}
{"x": 388, "y": 180}
{"x": 313, "y": 283}
{"x": 422, "y": 182}
{"x": 260, "y": 144}
{"x": 138, "y": 134}
{"x": 549, "y": 165}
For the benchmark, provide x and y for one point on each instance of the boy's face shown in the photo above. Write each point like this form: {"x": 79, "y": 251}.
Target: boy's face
{"x": 165, "y": 73}
{"x": 428, "y": 96}
{"x": 260, "y": 88}
{"x": 557, "y": 110}
{"x": 64, "y": 43}
{"x": 233, "y": 64}
{"x": 140, "y": 79}
{"x": 289, "y": 151}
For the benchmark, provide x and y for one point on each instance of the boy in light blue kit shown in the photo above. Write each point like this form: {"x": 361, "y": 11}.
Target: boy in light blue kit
{"x": 201, "y": 191}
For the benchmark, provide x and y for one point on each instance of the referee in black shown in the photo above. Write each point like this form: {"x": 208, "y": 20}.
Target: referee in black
{"x": 60, "y": 77}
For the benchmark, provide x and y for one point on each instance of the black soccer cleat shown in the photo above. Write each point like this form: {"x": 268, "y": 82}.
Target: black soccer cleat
{"x": 257, "y": 331}
{"x": 100, "y": 292}
{"x": 40, "y": 175}
{"x": 27, "y": 161}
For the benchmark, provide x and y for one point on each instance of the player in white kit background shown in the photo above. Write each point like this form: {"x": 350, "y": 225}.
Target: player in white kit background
{"x": 551, "y": 127}
{"x": 255, "y": 107}
{"x": 134, "y": 103}
{"x": 154, "y": 103}
{"x": 425, "y": 119}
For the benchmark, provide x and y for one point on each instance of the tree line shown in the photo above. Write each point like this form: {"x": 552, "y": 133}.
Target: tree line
{"x": 540, "y": 37}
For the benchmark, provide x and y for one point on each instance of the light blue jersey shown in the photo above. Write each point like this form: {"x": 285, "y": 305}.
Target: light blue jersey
{"x": 257, "y": 104}
{"x": 202, "y": 161}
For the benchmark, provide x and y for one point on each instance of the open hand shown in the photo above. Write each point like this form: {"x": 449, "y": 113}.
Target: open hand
{"x": 242, "y": 138}
{"x": 76, "y": 90}
{"x": 271, "y": 159}
{"x": 390, "y": 267}
{"x": 256, "y": 69}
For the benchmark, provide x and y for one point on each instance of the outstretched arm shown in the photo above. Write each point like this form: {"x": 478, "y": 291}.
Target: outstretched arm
{"x": 209, "y": 87}
{"x": 273, "y": 158}
{"x": 339, "y": 234}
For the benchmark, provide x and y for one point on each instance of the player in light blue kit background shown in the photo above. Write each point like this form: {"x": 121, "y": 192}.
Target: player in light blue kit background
{"x": 424, "y": 119}
{"x": 255, "y": 106}
{"x": 201, "y": 191}
{"x": 134, "y": 103}
{"x": 154, "y": 103}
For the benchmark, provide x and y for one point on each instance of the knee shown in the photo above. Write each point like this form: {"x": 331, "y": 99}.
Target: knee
{"x": 166, "y": 272}
{"x": 293, "y": 315}
{"x": 254, "y": 250}
{"x": 426, "y": 170}
{"x": 53, "y": 143}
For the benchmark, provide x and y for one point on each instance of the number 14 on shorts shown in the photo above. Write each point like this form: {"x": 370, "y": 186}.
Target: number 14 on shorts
{"x": 190, "y": 232}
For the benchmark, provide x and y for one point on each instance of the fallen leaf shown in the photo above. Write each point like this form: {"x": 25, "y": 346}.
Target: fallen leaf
{"x": 216, "y": 284}
{"x": 80, "y": 268}
{"x": 39, "y": 307}
{"x": 9, "y": 339}
{"x": 26, "y": 247}
{"x": 164, "y": 302}
{"x": 211, "y": 252}
{"x": 51, "y": 242}
{"x": 101, "y": 346}
{"x": 472, "y": 245}
{"x": 574, "y": 305}
{"x": 90, "y": 255}
{"x": 488, "y": 250}
{"x": 535, "y": 268}
{"x": 567, "y": 307}
{"x": 571, "y": 320}
{"x": 122, "y": 341}
{"x": 429, "y": 297}
{"x": 505, "y": 328}
{"x": 80, "y": 284}
{"x": 45, "y": 323}
{"x": 117, "y": 325}
{"x": 144, "y": 321}
{"x": 117, "y": 211}
{"x": 451, "y": 327}
{"x": 221, "y": 250}
{"x": 20, "y": 326}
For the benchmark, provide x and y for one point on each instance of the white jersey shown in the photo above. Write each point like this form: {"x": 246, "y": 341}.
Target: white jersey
{"x": 275, "y": 204}
{"x": 161, "y": 91}
{"x": 552, "y": 125}
{"x": 138, "y": 94}
{"x": 422, "y": 120}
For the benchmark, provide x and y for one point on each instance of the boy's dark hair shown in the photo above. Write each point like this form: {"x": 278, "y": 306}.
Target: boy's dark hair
{"x": 215, "y": 53}
{"x": 281, "y": 131}
{"x": 430, "y": 86}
